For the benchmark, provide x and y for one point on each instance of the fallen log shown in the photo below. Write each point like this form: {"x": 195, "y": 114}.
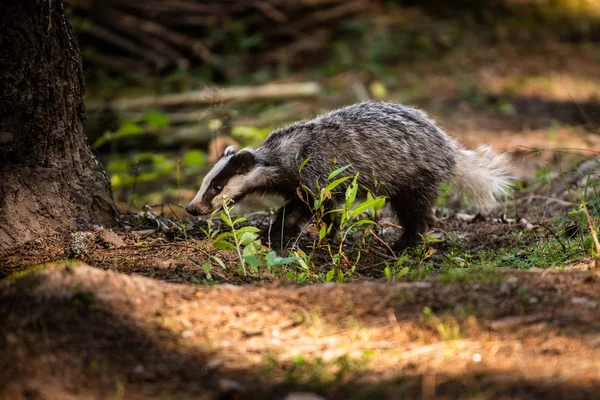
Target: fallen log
{"x": 213, "y": 96}
{"x": 153, "y": 139}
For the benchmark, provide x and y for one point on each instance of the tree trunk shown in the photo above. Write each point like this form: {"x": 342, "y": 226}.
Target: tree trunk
{"x": 49, "y": 178}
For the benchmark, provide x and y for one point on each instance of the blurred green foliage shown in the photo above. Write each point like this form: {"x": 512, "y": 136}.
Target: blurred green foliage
{"x": 136, "y": 127}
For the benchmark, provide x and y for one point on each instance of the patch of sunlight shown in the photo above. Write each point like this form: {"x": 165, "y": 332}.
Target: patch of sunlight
{"x": 49, "y": 266}
{"x": 555, "y": 85}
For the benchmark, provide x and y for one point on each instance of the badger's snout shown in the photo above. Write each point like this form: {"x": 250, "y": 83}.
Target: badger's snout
{"x": 194, "y": 209}
{"x": 191, "y": 209}
{"x": 199, "y": 209}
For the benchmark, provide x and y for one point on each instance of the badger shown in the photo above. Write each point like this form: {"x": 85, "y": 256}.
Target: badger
{"x": 397, "y": 152}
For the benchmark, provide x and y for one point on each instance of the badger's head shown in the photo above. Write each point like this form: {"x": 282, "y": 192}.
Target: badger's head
{"x": 236, "y": 174}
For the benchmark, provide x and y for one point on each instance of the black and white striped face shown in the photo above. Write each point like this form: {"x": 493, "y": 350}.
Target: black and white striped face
{"x": 233, "y": 176}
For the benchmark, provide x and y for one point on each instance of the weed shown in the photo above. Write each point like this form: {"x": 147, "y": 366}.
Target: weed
{"x": 582, "y": 207}
{"x": 396, "y": 270}
{"x": 323, "y": 220}
{"x": 449, "y": 330}
{"x": 244, "y": 240}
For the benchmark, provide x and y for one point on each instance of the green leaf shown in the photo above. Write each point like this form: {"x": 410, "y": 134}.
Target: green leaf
{"x": 283, "y": 261}
{"x": 309, "y": 190}
{"x": 402, "y": 272}
{"x": 431, "y": 239}
{"x": 252, "y": 260}
{"x": 388, "y": 273}
{"x": 364, "y": 222}
{"x": 330, "y": 275}
{"x": 219, "y": 261}
{"x": 290, "y": 275}
{"x": 223, "y": 245}
{"x": 207, "y": 267}
{"x": 119, "y": 165}
{"x": 246, "y": 229}
{"x": 156, "y": 119}
{"x": 323, "y": 231}
{"x": 193, "y": 158}
{"x": 226, "y": 219}
{"x": 270, "y": 256}
{"x": 107, "y": 137}
{"x": 351, "y": 193}
{"x": 245, "y": 238}
{"x": 239, "y": 220}
{"x": 336, "y": 183}
{"x": 317, "y": 204}
{"x": 129, "y": 128}
{"x": 366, "y": 205}
{"x": 340, "y": 276}
{"x": 401, "y": 260}
{"x": 301, "y": 167}
{"x": 251, "y": 41}
{"x": 338, "y": 171}
{"x": 225, "y": 235}
{"x": 302, "y": 262}
{"x": 252, "y": 249}
{"x": 380, "y": 202}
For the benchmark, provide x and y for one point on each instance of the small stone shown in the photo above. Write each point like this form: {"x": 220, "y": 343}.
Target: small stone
{"x": 477, "y": 357}
{"x": 109, "y": 239}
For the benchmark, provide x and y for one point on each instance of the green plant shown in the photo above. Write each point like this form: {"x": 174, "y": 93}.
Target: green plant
{"x": 448, "y": 330}
{"x": 425, "y": 251}
{"x": 322, "y": 223}
{"x": 134, "y": 127}
{"x": 245, "y": 239}
{"x": 581, "y": 208}
{"x": 397, "y": 270}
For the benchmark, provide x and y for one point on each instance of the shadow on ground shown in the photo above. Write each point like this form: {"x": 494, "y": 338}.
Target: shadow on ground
{"x": 75, "y": 331}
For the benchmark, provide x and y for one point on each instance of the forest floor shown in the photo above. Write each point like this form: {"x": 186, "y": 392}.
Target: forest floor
{"x": 504, "y": 306}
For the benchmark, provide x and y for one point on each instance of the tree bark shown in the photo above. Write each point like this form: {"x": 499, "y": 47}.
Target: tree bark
{"x": 49, "y": 178}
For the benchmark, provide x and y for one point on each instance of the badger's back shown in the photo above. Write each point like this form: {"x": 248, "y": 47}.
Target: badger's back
{"x": 392, "y": 147}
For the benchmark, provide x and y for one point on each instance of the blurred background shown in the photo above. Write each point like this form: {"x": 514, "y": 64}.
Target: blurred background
{"x": 166, "y": 77}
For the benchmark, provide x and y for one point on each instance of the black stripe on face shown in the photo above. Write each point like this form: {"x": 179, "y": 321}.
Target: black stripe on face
{"x": 240, "y": 164}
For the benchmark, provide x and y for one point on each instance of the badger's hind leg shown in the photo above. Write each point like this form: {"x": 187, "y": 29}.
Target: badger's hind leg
{"x": 414, "y": 212}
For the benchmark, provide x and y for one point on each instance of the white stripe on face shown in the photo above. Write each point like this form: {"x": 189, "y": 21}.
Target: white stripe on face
{"x": 216, "y": 169}
{"x": 240, "y": 185}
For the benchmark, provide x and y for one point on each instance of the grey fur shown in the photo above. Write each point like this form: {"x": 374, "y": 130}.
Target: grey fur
{"x": 397, "y": 151}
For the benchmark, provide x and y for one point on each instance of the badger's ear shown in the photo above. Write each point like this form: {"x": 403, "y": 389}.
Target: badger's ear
{"x": 244, "y": 159}
{"x": 229, "y": 151}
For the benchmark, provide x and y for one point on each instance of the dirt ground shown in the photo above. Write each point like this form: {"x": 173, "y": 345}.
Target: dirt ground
{"x": 74, "y": 331}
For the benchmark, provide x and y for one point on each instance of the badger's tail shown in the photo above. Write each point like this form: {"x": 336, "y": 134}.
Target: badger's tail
{"x": 483, "y": 176}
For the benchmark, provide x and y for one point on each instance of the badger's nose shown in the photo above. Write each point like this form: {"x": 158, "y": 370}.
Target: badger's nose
{"x": 192, "y": 209}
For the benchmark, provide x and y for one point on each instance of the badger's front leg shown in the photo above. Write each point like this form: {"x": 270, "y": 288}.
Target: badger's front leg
{"x": 287, "y": 224}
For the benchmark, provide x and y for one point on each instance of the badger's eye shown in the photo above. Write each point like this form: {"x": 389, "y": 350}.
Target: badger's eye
{"x": 217, "y": 188}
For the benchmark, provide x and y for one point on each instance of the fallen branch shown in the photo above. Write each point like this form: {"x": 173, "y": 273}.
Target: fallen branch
{"x": 213, "y": 96}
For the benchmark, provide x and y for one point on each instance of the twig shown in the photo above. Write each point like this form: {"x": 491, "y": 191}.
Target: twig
{"x": 592, "y": 229}
{"x": 555, "y": 236}
{"x": 126, "y": 44}
{"x": 509, "y": 322}
{"x": 383, "y": 242}
{"x": 211, "y": 96}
